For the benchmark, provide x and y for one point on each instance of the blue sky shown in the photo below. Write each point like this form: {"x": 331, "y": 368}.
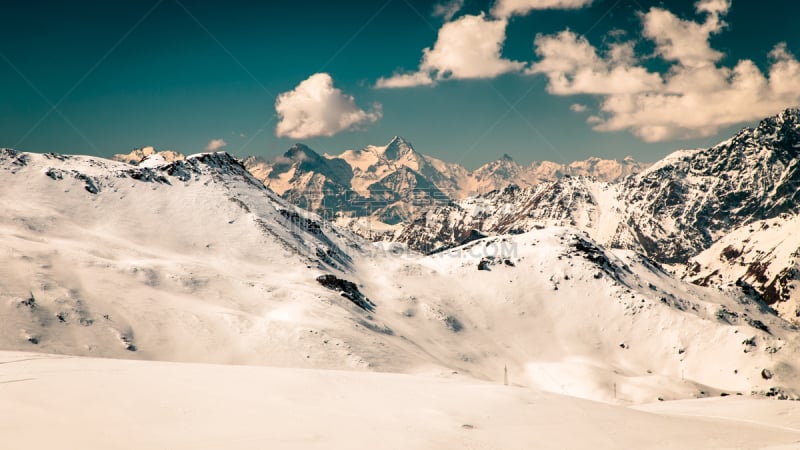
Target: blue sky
{"x": 178, "y": 74}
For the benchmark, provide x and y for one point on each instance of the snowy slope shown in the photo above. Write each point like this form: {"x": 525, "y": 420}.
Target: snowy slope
{"x": 581, "y": 202}
{"x": 764, "y": 256}
{"x": 194, "y": 260}
{"x": 93, "y": 404}
{"x": 580, "y": 320}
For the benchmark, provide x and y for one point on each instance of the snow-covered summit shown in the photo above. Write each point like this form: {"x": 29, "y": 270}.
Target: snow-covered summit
{"x": 398, "y": 148}
{"x": 148, "y": 155}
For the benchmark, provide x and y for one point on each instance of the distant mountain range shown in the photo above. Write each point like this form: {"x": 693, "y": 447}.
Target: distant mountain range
{"x": 139, "y": 155}
{"x": 379, "y": 188}
{"x": 391, "y": 183}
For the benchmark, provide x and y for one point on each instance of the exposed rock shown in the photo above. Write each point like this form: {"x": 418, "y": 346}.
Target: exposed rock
{"x": 348, "y": 290}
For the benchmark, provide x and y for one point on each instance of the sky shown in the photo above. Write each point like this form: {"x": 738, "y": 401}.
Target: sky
{"x": 465, "y": 81}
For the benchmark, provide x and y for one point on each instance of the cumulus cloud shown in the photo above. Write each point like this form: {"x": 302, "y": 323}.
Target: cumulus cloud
{"x": 508, "y": 8}
{"x": 468, "y": 47}
{"x": 578, "y": 108}
{"x": 215, "y": 144}
{"x": 573, "y": 66}
{"x": 447, "y": 9}
{"x": 694, "y": 97}
{"x": 471, "y": 46}
{"x": 686, "y": 41}
{"x": 316, "y": 108}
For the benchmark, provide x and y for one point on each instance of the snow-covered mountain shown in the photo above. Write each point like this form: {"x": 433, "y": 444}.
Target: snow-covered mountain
{"x": 763, "y": 256}
{"x": 306, "y": 179}
{"x": 505, "y": 171}
{"x": 672, "y": 211}
{"x": 138, "y": 156}
{"x": 386, "y": 183}
{"x": 196, "y": 260}
{"x": 167, "y": 262}
{"x": 390, "y": 184}
{"x": 689, "y": 200}
{"x": 585, "y": 203}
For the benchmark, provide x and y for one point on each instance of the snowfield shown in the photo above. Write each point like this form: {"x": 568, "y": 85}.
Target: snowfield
{"x": 236, "y": 301}
{"x": 78, "y": 404}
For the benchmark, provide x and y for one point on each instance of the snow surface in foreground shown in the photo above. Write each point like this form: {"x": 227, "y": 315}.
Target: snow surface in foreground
{"x": 51, "y": 401}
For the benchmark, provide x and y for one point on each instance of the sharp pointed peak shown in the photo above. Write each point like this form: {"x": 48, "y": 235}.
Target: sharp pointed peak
{"x": 398, "y": 147}
{"x": 398, "y": 140}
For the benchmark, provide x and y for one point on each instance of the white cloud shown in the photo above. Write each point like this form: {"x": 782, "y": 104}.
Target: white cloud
{"x": 468, "y": 47}
{"x": 403, "y": 80}
{"x": 578, "y": 108}
{"x": 316, "y": 108}
{"x": 573, "y": 66}
{"x": 508, "y": 8}
{"x": 593, "y": 120}
{"x": 686, "y": 41}
{"x": 694, "y": 97}
{"x": 447, "y": 9}
{"x": 719, "y": 7}
{"x": 215, "y": 144}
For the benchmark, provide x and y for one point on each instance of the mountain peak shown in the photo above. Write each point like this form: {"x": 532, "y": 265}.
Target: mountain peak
{"x": 794, "y": 112}
{"x": 298, "y": 153}
{"x": 148, "y": 154}
{"x": 507, "y": 157}
{"x": 779, "y": 133}
{"x": 218, "y": 159}
{"x": 784, "y": 121}
{"x": 398, "y": 140}
{"x": 398, "y": 147}
{"x": 305, "y": 160}
{"x": 300, "y": 149}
